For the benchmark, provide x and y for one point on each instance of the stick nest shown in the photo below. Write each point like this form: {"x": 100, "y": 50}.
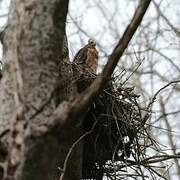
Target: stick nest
{"x": 117, "y": 123}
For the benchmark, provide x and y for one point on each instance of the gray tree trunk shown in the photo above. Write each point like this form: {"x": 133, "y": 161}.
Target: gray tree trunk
{"x": 36, "y": 78}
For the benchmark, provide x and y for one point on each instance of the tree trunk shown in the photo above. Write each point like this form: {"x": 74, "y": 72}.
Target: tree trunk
{"x": 36, "y": 78}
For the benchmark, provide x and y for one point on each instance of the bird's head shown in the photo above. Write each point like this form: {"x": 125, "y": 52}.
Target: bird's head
{"x": 91, "y": 43}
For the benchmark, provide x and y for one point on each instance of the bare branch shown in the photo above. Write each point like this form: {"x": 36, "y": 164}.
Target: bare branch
{"x": 161, "y": 89}
{"x": 177, "y": 31}
{"x": 170, "y": 135}
{"x": 72, "y": 148}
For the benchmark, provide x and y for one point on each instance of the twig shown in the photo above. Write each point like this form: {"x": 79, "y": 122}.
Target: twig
{"x": 161, "y": 89}
{"x": 169, "y": 134}
{"x": 176, "y": 30}
{"x": 72, "y": 148}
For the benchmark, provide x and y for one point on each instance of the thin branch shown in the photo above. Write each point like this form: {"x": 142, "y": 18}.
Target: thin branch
{"x": 70, "y": 152}
{"x": 176, "y": 30}
{"x": 170, "y": 135}
{"x": 161, "y": 89}
{"x": 72, "y": 148}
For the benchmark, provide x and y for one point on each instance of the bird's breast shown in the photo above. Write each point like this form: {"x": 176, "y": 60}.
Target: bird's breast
{"x": 92, "y": 59}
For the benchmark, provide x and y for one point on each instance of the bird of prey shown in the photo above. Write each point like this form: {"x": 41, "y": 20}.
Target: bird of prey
{"x": 87, "y": 57}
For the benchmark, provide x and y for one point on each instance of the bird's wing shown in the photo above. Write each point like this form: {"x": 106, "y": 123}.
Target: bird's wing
{"x": 81, "y": 55}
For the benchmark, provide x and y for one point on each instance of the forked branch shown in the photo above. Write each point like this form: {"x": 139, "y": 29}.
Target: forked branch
{"x": 67, "y": 113}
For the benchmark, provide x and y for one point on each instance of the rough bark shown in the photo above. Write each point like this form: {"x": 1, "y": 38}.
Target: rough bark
{"x": 34, "y": 82}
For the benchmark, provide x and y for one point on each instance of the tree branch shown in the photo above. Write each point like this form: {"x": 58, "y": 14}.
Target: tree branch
{"x": 161, "y": 89}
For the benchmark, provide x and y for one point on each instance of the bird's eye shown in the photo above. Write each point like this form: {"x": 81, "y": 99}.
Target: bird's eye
{"x": 92, "y": 42}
